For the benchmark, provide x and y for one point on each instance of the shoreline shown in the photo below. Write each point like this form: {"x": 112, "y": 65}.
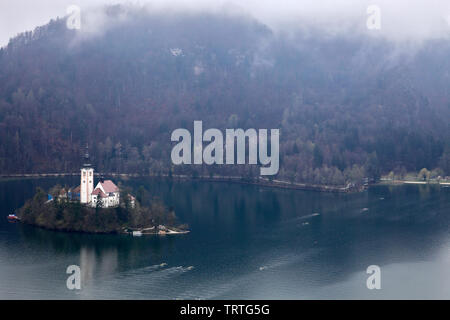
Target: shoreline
{"x": 263, "y": 182}
{"x": 415, "y": 182}
{"x": 115, "y": 232}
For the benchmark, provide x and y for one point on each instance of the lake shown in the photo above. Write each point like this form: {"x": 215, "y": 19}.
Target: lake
{"x": 246, "y": 242}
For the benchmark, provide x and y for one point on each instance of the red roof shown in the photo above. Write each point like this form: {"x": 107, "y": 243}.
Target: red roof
{"x": 109, "y": 186}
{"x": 99, "y": 191}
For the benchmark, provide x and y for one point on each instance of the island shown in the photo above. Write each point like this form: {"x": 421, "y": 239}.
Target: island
{"x": 63, "y": 214}
{"x": 106, "y": 208}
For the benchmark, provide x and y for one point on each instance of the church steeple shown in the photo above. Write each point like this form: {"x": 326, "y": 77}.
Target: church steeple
{"x": 87, "y": 163}
{"x": 87, "y": 179}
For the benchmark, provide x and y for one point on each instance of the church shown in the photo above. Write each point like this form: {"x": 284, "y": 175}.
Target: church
{"x": 105, "y": 194}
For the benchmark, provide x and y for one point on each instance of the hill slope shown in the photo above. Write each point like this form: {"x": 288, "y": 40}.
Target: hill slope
{"x": 347, "y": 107}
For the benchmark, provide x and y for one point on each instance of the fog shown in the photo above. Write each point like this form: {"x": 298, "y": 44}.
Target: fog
{"x": 401, "y": 20}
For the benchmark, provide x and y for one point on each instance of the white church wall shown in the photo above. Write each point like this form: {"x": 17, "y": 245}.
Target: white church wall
{"x": 86, "y": 184}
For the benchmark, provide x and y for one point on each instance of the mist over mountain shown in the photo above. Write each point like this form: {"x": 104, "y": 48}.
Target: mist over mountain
{"x": 348, "y": 106}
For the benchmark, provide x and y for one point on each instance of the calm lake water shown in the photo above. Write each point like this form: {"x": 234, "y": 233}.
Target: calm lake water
{"x": 246, "y": 242}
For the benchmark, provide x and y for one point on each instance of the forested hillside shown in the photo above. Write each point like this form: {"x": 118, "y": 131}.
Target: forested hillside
{"x": 347, "y": 107}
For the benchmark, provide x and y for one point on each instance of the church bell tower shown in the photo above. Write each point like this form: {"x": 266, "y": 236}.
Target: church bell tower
{"x": 87, "y": 179}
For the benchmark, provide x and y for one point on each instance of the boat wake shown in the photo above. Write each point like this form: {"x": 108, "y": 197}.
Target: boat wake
{"x": 148, "y": 282}
{"x": 309, "y": 216}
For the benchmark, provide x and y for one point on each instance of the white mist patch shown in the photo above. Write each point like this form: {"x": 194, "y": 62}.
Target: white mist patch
{"x": 414, "y": 20}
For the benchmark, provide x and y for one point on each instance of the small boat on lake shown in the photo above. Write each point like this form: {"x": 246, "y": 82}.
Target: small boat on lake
{"x": 12, "y": 217}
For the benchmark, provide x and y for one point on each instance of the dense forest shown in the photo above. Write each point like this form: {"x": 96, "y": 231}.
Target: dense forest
{"x": 348, "y": 107}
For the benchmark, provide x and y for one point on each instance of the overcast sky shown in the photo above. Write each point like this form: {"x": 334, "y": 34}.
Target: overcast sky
{"x": 401, "y": 19}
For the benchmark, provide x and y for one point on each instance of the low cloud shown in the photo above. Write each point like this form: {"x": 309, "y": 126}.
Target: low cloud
{"x": 401, "y": 20}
